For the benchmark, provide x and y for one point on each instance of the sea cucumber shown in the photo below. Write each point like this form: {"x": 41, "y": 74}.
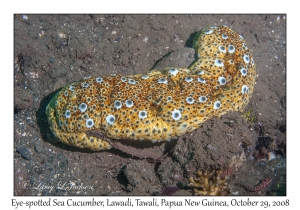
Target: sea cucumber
{"x": 158, "y": 105}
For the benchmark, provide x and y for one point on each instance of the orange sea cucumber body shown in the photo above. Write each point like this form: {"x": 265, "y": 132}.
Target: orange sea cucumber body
{"x": 158, "y": 105}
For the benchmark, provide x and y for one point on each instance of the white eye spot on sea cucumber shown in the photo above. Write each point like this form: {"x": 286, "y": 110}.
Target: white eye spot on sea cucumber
{"x": 222, "y": 80}
{"x": 222, "y": 49}
{"x": 245, "y": 46}
{"x": 245, "y": 89}
{"x": 200, "y": 72}
{"x": 67, "y": 114}
{"x": 145, "y": 77}
{"x": 231, "y": 48}
{"x": 89, "y": 123}
{"x": 246, "y": 58}
{"x": 117, "y": 104}
{"x": 188, "y": 79}
{"x": 202, "y": 99}
{"x": 153, "y": 141}
{"x": 190, "y": 100}
{"x": 209, "y": 31}
{"x": 99, "y": 79}
{"x": 72, "y": 88}
{"x": 217, "y": 105}
{"x": 123, "y": 79}
{"x": 244, "y": 71}
{"x": 129, "y": 103}
{"x": 142, "y": 114}
{"x": 176, "y": 114}
{"x": 131, "y": 81}
{"x": 224, "y": 36}
{"x": 113, "y": 75}
{"x": 66, "y": 93}
{"x": 201, "y": 80}
{"x": 241, "y": 36}
{"x": 84, "y": 84}
{"x": 169, "y": 98}
{"x": 110, "y": 119}
{"x": 82, "y": 107}
{"x": 173, "y": 72}
{"x": 162, "y": 81}
{"x": 218, "y": 62}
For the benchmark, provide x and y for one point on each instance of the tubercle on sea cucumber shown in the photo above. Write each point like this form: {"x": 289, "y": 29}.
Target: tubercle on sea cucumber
{"x": 158, "y": 105}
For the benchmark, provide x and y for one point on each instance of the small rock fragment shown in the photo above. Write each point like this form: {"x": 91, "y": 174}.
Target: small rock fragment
{"x": 24, "y": 152}
{"x": 39, "y": 146}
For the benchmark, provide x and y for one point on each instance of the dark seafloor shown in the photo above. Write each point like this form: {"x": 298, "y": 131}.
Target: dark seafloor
{"x": 51, "y": 51}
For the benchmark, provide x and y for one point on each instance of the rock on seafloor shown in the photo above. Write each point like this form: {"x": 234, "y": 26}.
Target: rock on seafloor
{"x": 24, "y": 152}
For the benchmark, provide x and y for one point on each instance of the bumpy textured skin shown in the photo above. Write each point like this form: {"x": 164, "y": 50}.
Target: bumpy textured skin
{"x": 159, "y": 105}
